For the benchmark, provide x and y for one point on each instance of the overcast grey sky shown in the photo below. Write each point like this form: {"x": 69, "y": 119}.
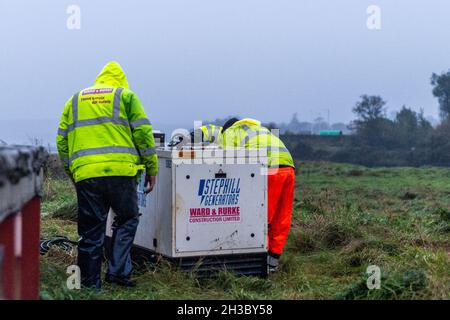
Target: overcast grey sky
{"x": 202, "y": 59}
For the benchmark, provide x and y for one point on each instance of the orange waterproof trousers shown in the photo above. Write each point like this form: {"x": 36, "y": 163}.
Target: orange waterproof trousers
{"x": 280, "y": 201}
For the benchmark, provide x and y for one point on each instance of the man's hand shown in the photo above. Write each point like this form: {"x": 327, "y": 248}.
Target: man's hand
{"x": 150, "y": 182}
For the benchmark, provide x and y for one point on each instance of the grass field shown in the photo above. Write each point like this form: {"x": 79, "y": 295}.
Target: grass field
{"x": 346, "y": 218}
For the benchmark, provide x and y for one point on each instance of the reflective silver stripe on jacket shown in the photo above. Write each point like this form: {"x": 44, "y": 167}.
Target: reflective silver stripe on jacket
{"x": 116, "y": 109}
{"x": 277, "y": 149}
{"x": 140, "y": 122}
{"x": 91, "y": 122}
{"x": 75, "y": 107}
{"x": 65, "y": 132}
{"x": 210, "y": 133}
{"x": 213, "y": 133}
{"x": 251, "y": 134}
{"x": 147, "y": 152}
{"x": 103, "y": 150}
{"x": 216, "y": 132}
{"x": 62, "y": 132}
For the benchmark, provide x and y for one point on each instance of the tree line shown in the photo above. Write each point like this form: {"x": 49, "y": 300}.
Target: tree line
{"x": 373, "y": 138}
{"x": 407, "y": 139}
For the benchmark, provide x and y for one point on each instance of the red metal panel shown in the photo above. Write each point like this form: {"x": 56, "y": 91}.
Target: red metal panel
{"x": 9, "y": 280}
{"x": 30, "y": 250}
{"x": 19, "y": 272}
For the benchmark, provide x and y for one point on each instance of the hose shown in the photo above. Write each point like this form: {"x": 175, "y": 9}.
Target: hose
{"x": 61, "y": 242}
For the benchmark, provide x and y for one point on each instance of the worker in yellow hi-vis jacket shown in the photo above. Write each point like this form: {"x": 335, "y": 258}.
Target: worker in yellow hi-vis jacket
{"x": 104, "y": 140}
{"x": 207, "y": 134}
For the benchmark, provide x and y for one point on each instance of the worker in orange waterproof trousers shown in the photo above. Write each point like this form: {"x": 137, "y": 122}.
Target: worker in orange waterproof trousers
{"x": 281, "y": 197}
{"x": 250, "y": 134}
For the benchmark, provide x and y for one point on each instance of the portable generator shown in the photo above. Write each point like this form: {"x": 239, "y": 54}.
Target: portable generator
{"x": 207, "y": 212}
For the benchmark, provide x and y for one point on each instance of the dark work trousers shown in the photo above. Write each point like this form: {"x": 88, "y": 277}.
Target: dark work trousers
{"x": 95, "y": 197}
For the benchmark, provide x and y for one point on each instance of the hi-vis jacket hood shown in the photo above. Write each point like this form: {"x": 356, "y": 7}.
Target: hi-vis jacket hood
{"x": 104, "y": 130}
{"x": 248, "y": 121}
{"x": 112, "y": 75}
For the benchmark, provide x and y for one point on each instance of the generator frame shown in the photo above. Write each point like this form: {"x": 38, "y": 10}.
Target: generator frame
{"x": 236, "y": 243}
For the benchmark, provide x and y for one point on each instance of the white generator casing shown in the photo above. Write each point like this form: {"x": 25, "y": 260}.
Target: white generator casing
{"x": 205, "y": 203}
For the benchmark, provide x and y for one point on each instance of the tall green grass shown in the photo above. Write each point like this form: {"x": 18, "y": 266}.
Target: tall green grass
{"x": 346, "y": 218}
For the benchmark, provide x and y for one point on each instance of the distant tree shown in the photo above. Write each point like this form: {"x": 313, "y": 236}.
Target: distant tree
{"x": 425, "y": 128}
{"x": 440, "y": 144}
{"x": 371, "y": 126}
{"x": 271, "y": 125}
{"x": 406, "y": 127}
{"x": 441, "y": 90}
{"x": 369, "y": 108}
{"x": 294, "y": 121}
{"x": 306, "y": 127}
{"x": 295, "y": 126}
{"x": 320, "y": 124}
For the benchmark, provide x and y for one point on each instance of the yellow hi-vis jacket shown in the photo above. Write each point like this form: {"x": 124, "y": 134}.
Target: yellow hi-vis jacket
{"x": 211, "y": 133}
{"x": 104, "y": 130}
{"x": 249, "y": 134}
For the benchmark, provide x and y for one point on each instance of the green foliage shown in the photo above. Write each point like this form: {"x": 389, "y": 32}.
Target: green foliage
{"x": 409, "y": 140}
{"x": 59, "y": 198}
{"x": 439, "y": 146}
{"x": 346, "y": 217}
{"x": 441, "y": 90}
{"x": 444, "y": 214}
{"x": 397, "y": 285}
{"x": 370, "y": 108}
{"x": 371, "y": 125}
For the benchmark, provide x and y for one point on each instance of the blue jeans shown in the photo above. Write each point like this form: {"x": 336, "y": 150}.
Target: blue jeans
{"x": 95, "y": 197}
